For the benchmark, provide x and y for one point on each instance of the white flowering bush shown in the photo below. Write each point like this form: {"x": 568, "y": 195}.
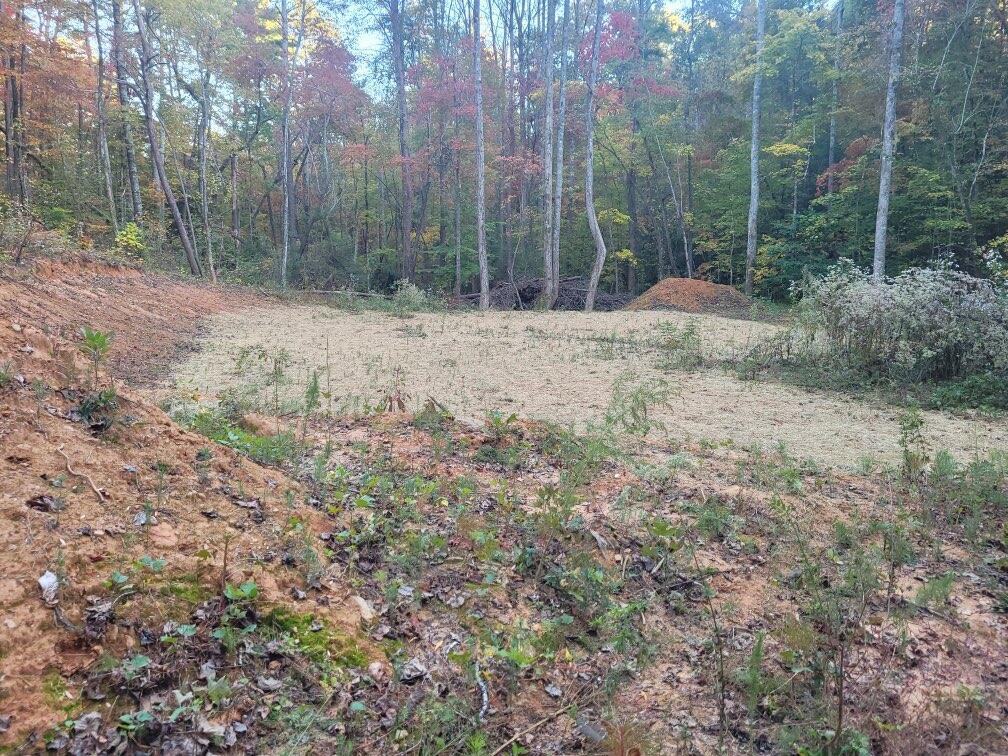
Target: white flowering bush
{"x": 927, "y": 324}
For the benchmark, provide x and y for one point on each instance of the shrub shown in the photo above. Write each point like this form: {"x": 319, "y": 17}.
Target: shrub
{"x": 267, "y": 450}
{"x": 409, "y": 298}
{"x": 924, "y": 325}
{"x": 129, "y": 242}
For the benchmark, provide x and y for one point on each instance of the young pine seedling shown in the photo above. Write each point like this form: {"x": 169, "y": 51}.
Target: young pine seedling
{"x": 96, "y": 345}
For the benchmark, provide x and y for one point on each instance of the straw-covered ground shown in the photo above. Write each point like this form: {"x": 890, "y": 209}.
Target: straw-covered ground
{"x": 561, "y": 367}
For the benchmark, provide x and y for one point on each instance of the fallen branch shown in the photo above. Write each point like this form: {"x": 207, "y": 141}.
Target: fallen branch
{"x": 98, "y": 493}
{"x": 545, "y": 720}
{"x": 484, "y": 693}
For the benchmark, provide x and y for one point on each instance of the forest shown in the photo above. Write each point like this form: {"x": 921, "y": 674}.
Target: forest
{"x": 744, "y": 144}
{"x": 504, "y": 377}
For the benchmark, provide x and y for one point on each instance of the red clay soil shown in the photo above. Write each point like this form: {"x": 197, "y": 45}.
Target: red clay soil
{"x": 73, "y": 503}
{"x": 692, "y": 295}
{"x": 153, "y": 317}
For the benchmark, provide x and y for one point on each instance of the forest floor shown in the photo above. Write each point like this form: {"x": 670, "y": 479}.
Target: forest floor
{"x": 258, "y": 576}
{"x": 561, "y": 367}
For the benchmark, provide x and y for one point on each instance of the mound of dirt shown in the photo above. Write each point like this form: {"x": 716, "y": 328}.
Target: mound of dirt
{"x": 692, "y": 295}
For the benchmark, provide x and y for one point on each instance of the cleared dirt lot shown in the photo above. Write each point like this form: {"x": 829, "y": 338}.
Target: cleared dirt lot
{"x": 557, "y": 366}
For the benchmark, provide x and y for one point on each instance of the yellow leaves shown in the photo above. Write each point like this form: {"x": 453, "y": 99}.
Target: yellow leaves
{"x": 613, "y": 217}
{"x": 626, "y": 256}
{"x": 673, "y": 21}
{"x": 430, "y": 236}
{"x": 793, "y": 156}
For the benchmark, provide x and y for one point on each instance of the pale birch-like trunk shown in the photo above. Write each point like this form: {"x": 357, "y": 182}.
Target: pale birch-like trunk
{"x": 551, "y": 285}
{"x": 129, "y": 151}
{"x": 204, "y": 190}
{"x": 561, "y": 127}
{"x": 285, "y": 148}
{"x": 484, "y": 273}
{"x": 593, "y": 224}
{"x": 754, "y": 150}
{"x": 831, "y": 156}
{"x": 888, "y": 144}
{"x": 103, "y": 151}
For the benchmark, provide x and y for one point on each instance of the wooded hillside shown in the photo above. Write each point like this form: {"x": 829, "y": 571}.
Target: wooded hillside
{"x": 243, "y": 139}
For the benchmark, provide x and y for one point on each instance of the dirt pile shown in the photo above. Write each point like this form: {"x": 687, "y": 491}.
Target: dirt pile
{"x": 692, "y": 295}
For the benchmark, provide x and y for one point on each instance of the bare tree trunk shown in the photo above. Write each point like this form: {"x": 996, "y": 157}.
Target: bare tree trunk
{"x": 285, "y": 149}
{"x": 204, "y": 131}
{"x": 458, "y": 229}
{"x": 551, "y": 285}
{"x": 146, "y": 61}
{"x": 600, "y": 248}
{"x": 484, "y": 273}
{"x": 888, "y": 143}
{"x": 132, "y": 175}
{"x": 103, "y": 151}
{"x": 831, "y": 156}
{"x": 235, "y": 214}
{"x": 406, "y": 205}
{"x": 754, "y": 150}
{"x": 560, "y": 132}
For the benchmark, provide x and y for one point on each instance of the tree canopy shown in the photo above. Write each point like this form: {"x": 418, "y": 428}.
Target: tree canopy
{"x": 286, "y": 159}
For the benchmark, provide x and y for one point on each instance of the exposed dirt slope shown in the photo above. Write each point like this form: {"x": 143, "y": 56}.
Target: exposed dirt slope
{"x": 153, "y": 316}
{"x": 87, "y": 504}
{"x": 692, "y": 295}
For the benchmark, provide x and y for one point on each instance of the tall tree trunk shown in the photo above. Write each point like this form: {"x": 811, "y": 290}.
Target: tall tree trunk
{"x": 204, "y": 134}
{"x": 457, "y": 288}
{"x": 561, "y": 129}
{"x": 593, "y": 224}
{"x": 481, "y": 248}
{"x": 888, "y": 143}
{"x": 146, "y": 61}
{"x": 754, "y": 150}
{"x": 831, "y": 156}
{"x": 633, "y": 227}
{"x": 285, "y": 148}
{"x": 551, "y": 285}
{"x": 129, "y": 151}
{"x": 103, "y": 151}
{"x": 406, "y": 201}
{"x": 235, "y": 214}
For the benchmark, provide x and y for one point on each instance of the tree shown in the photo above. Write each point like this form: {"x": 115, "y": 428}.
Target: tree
{"x": 406, "y": 169}
{"x": 888, "y": 143}
{"x": 593, "y": 224}
{"x": 561, "y": 129}
{"x": 551, "y": 285}
{"x": 129, "y": 151}
{"x": 484, "y": 268}
{"x": 103, "y": 151}
{"x": 147, "y": 100}
{"x": 831, "y": 150}
{"x": 290, "y": 59}
{"x": 754, "y": 149}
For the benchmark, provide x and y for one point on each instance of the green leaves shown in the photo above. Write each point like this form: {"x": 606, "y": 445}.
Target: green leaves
{"x": 95, "y": 343}
{"x": 134, "y": 666}
{"x": 247, "y": 591}
{"x": 153, "y": 564}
